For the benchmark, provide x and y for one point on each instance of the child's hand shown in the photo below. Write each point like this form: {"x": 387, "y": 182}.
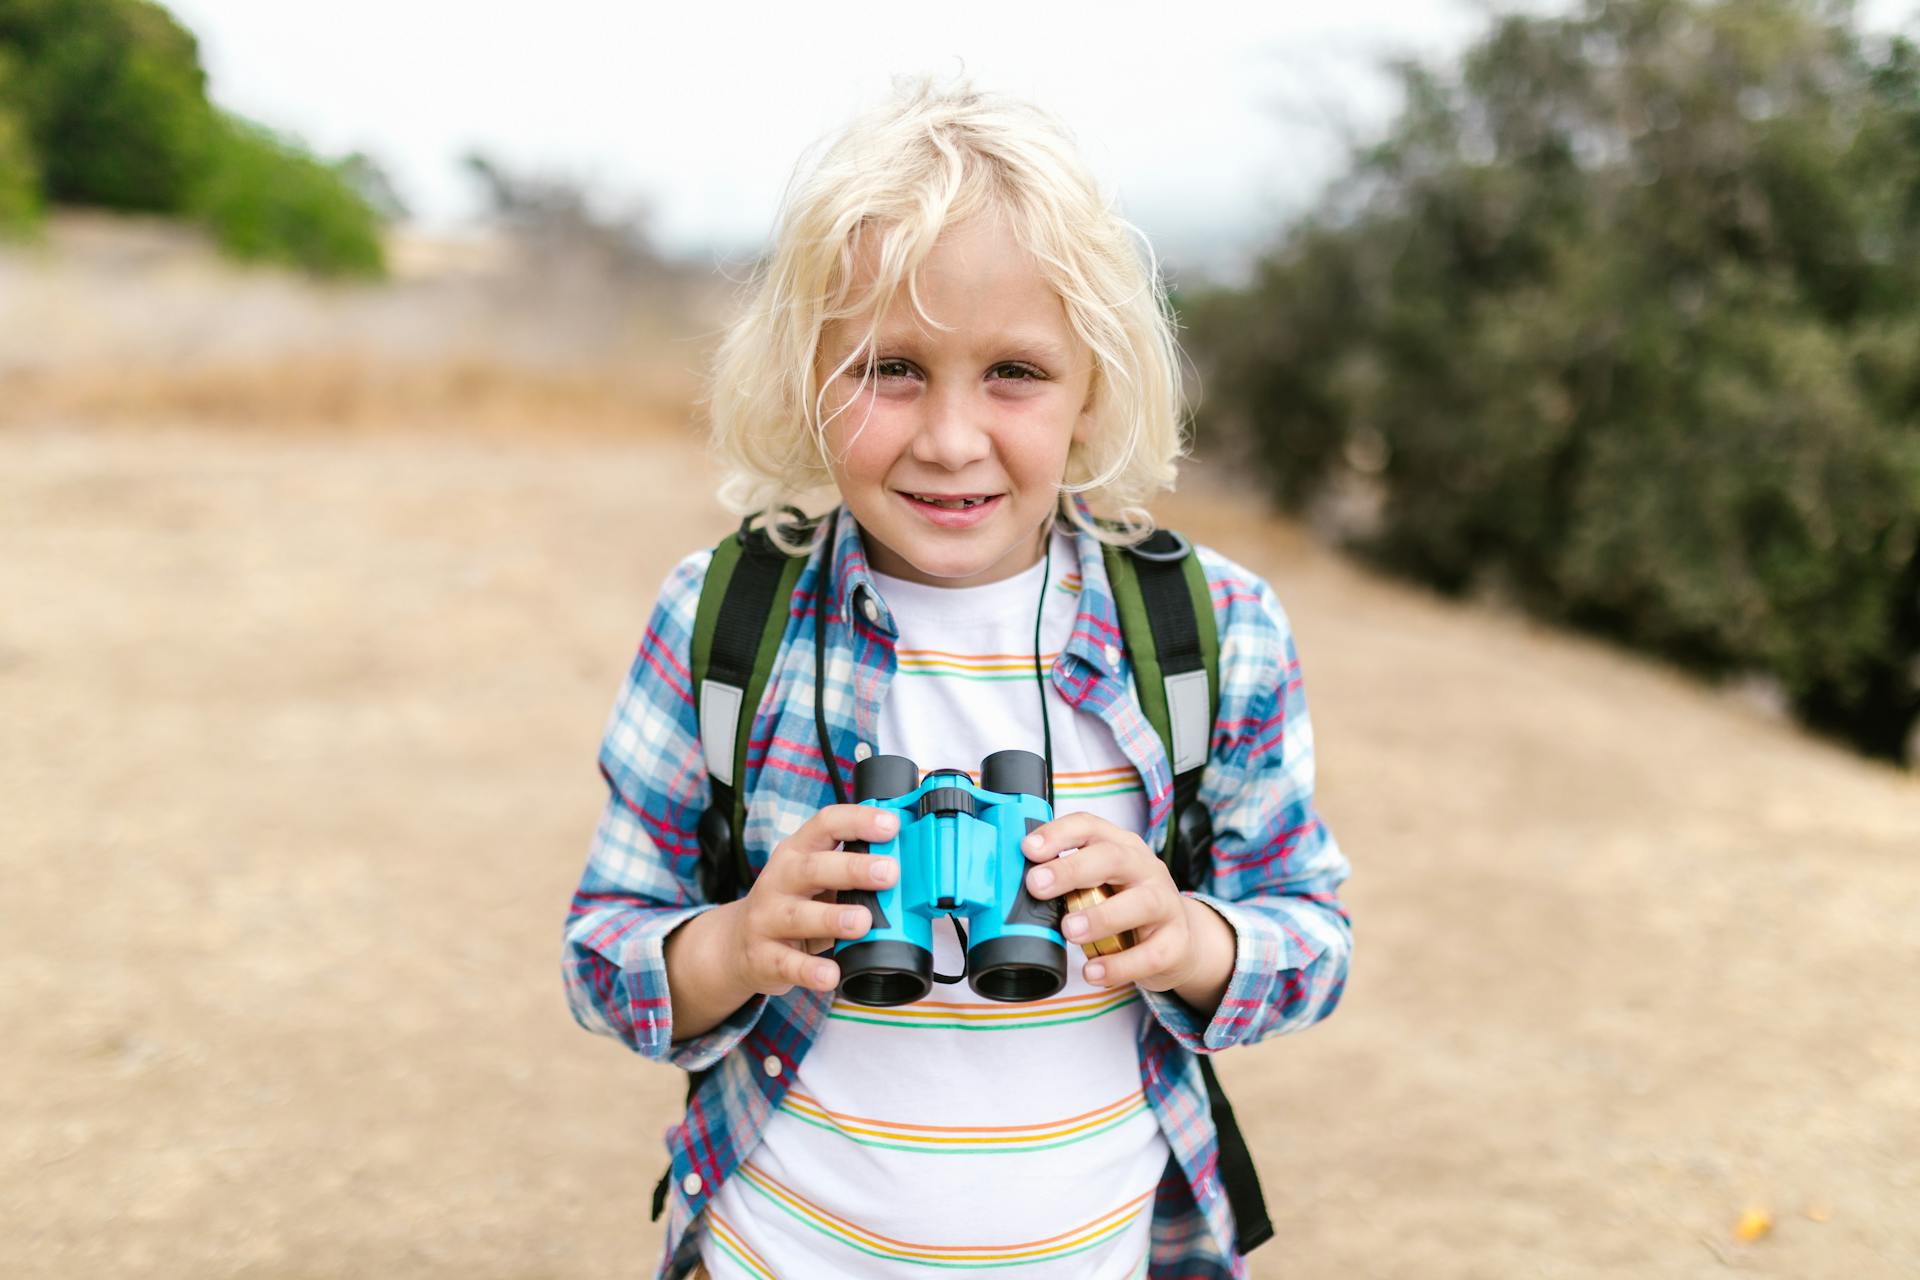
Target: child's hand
{"x": 1142, "y": 899}
{"x": 790, "y": 912}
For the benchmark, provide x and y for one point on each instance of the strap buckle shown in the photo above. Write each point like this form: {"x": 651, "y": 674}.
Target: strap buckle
{"x": 1163, "y": 546}
{"x": 714, "y": 834}
{"x": 1192, "y": 846}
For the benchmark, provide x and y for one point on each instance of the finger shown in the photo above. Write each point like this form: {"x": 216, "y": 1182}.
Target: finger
{"x": 817, "y": 945}
{"x": 1068, "y": 831}
{"x": 1158, "y": 954}
{"x": 792, "y": 919}
{"x": 808, "y": 874}
{"x": 811, "y": 874}
{"x": 854, "y": 825}
{"x": 1103, "y": 862}
{"x": 1141, "y": 907}
{"x": 790, "y": 967}
{"x": 838, "y": 823}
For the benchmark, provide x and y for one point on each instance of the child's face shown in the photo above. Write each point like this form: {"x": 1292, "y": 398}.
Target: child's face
{"x": 984, "y": 408}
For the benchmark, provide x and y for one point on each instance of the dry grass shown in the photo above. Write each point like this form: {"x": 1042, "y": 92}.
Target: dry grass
{"x": 356, "y": 393}
{"x": 132, "y": 321}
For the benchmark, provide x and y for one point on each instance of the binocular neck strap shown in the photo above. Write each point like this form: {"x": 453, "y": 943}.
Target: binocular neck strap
{"x": 822, "y": 594}
{"x": 951, "y": 979}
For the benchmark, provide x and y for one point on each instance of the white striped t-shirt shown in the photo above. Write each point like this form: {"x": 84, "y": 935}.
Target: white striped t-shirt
{"x": 959, "y": 1134}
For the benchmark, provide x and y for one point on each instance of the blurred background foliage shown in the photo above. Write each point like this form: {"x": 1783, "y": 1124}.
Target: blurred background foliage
{"x": 104, "y": 103}
{"x": 1621, "y": 322}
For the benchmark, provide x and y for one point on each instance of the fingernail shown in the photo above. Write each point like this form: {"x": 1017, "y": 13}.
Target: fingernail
{"x": 1032, "y": 843}
{"x": 850, "y": 919}
{"x": 825, "y": 975}
{"x": 1096, "y": 971}
{"x": 1074, "y": 926}
{"x": 1042, "y": 879}
{"x": 883, "y": 871}
{"x": 886, "y": 824}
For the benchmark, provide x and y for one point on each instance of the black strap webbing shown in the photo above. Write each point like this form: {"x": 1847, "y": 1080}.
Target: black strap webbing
{"x": 1252, "y": 1227}
{"x": 736, "y": 639}
{"x": 1163, "y": 587}
{"x": 1176, "y": 645}
{"x": 735, "y": 645}
{"x": 1166, "y": 618}
{"x": 1178, "y": 606}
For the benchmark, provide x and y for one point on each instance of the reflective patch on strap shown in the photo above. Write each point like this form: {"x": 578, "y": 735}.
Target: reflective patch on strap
{"x": 719, "y": 725}
{"x": 1187, "y": 709}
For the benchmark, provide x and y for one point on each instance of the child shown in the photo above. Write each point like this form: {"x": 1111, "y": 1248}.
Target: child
{"x": 956, "y": 333}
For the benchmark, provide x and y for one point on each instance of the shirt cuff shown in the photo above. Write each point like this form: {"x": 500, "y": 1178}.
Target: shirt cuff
{"x": 709, "y": 1046}
{"x": 1258, "y": 953}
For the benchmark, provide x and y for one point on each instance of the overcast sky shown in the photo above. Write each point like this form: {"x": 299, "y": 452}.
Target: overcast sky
{"x": 1212, "y": 119}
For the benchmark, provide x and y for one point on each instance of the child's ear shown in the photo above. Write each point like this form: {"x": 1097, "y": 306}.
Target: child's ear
{"x": 1083, "y": 424}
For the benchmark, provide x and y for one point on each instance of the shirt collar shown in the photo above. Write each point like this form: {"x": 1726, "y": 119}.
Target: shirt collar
{"x": 853, "y": 585}
{"x": 1096, "y": 630}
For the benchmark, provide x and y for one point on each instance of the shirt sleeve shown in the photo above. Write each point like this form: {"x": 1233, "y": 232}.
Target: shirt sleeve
{"x": 641, "y": 880}
{"x": 1276, "y": 868}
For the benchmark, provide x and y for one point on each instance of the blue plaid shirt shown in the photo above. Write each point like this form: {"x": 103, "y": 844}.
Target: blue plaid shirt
{"x": 1275, "y": 876}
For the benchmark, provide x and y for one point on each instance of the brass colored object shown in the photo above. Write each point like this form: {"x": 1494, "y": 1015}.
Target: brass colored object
{"x": 1112, "y": 944}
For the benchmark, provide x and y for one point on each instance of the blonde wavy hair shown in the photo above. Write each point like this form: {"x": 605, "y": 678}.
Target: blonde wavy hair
{"x": 888, "y": 185}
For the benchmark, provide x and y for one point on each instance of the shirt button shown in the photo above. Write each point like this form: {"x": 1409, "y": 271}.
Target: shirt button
{"x": 1113, "y": 656}
{"x": 691, "y": 1184}
{"x": 869, "y": 606}
{"x": 860, "y": 752}
{"x": 771, "y": 1066}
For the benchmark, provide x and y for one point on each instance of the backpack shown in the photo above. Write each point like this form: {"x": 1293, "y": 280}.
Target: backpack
{"x": 1167, "y": 625}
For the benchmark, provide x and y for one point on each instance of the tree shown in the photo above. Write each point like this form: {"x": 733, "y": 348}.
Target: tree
{"x": 1620, "y": 316}
{"x": 113, "y": 97}
{"x": 104, "y": 102}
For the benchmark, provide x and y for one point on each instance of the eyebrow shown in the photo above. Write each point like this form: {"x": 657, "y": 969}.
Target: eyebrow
{"x": 1030, "y": 345}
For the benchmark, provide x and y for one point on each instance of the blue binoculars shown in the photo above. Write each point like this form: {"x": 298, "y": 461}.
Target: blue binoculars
{"x": 958, "y": 848}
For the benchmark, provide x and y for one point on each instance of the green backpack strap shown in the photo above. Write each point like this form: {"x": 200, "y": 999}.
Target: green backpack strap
{"x": 736, "y": 639}
{"x": 1166, "y": 620}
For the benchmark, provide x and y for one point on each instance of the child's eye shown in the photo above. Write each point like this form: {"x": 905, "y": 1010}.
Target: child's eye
{"x": 1018, "y": 372}
{"x": 892, "y": 369}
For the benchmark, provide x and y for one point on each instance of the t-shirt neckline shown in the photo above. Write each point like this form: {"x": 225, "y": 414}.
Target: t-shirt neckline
{"x": 982, "y": 603}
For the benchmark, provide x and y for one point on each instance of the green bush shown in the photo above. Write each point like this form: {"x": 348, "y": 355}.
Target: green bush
{"x": 19, "y": 179}
{"x": 114, "y": 97}
{"x": 103, "y": 102}
{"x": 1621, "y": 317}
{"x": 268, "y": 200}
{"x": 19, "y": 170}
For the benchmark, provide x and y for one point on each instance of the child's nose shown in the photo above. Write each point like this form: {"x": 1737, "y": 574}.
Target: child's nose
{"x": 953, "y": 433}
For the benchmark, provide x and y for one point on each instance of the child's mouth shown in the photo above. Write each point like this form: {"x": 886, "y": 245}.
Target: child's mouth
{"x": 954, "y": 510}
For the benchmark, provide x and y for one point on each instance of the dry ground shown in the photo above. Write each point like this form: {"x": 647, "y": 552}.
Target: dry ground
{"x": 296, "y": 775}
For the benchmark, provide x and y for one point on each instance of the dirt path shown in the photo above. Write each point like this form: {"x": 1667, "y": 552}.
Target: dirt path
{"x": 297, "y": 774}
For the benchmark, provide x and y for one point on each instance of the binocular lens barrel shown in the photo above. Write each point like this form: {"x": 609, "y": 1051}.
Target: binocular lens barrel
{"x": 884, "y": 973}
{"x": 1017, "y": 968}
